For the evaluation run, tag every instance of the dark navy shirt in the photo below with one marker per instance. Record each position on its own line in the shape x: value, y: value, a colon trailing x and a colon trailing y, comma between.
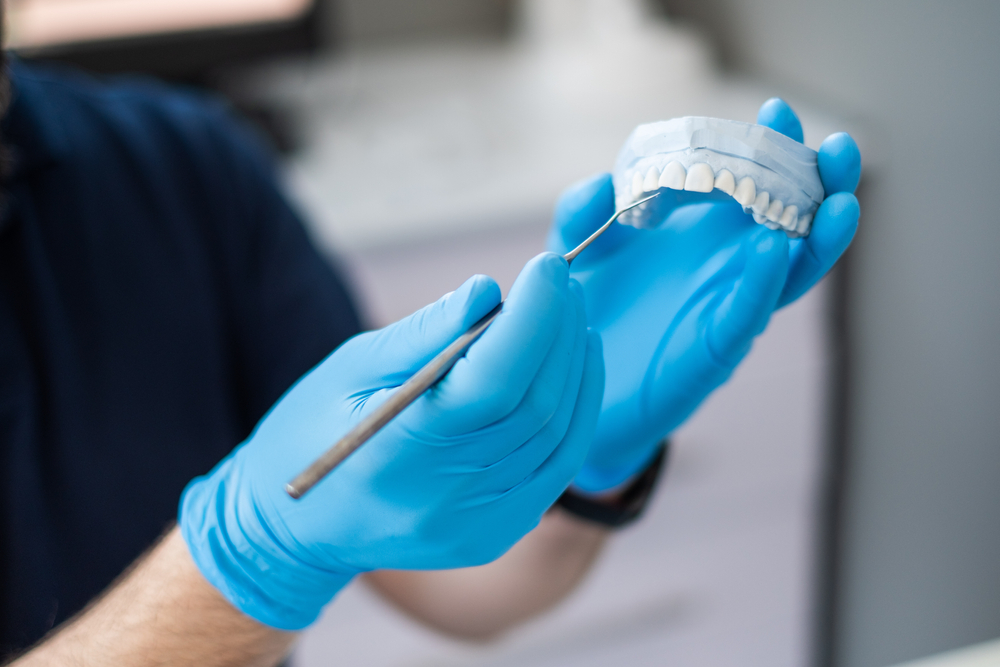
x: 157, y: 295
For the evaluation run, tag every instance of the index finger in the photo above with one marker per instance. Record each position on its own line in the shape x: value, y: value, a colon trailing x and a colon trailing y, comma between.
x: 490, y: 381
x: 779, y: 116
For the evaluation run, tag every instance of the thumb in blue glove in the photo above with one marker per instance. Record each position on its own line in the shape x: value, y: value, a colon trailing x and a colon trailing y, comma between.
x: 678, y: 306
x: 454, y: 481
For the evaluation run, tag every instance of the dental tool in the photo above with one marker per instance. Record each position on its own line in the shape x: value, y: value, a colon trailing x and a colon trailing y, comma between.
x: 421, y: 381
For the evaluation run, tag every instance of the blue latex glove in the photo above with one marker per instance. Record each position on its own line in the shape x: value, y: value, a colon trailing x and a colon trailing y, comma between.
x: 678, y: 306
x: 454, y: 481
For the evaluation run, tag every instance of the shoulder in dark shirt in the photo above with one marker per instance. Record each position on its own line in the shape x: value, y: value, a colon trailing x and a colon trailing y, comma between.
x: 157, y: 295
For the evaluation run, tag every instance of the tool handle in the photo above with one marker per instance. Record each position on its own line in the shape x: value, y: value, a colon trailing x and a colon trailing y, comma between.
x: 409, y: 391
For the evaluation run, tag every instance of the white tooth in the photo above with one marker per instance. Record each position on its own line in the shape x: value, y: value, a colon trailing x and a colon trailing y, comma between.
x: 803, y: 224
x: 725, y: 182
x: 636, y: 185
x: 774, y: 210
x: 789, y: 217
x: 759, y: 204
x: 652, y: 181
x: 745, y: 192
x: 700, y: 178
x: 673, y: 176
x: 772, y: 225
x: 758, y: 218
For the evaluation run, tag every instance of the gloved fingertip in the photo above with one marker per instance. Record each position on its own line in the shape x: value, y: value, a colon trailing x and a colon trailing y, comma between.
x: 477, y: 296
x: 779, y: 116
x: 541, y: 286
x: 839, y: 163
x: 477, y: 285
x: 550, y: 266
x: 843, y: 205
x: 834, y: 228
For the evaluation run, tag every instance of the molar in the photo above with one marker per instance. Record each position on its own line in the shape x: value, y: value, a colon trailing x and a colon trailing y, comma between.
x: 759, y: 205
x: 745, y: 192
x: 673, y: 176
x: 725, y: 182
x: 700, y: 178
x: 773, y: 212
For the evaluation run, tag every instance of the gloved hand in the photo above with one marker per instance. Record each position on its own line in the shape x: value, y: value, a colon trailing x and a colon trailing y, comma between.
x: 454, y: 481
x: 678, y: 306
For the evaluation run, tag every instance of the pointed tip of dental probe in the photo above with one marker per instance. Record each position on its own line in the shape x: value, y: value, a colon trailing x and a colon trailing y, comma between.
x: 571, y: 255
x: 636, y: 203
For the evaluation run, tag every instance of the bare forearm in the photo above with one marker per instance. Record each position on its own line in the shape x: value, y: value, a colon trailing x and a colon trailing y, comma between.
x: 163, y: 612
x: 482, y: 602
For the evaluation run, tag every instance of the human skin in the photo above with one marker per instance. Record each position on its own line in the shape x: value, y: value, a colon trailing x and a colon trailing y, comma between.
x: 480, y: 603
x: 162, y: 611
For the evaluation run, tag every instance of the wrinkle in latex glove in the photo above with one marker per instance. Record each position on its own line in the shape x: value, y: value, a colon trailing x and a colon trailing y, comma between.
x: 454, y: 481
x: 679, y: 305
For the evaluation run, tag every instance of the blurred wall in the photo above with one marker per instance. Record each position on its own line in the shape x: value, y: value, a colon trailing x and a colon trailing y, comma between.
x: 918, y: 560
x: 387, y: 21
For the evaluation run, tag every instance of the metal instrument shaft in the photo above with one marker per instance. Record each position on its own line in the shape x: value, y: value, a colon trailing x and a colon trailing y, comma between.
x: 413, y: 388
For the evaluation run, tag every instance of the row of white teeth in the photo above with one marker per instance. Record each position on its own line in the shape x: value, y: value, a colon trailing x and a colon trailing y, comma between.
x: 701, y: 178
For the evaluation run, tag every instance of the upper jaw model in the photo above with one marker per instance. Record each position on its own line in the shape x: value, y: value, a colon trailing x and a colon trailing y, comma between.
x: 774, y: 178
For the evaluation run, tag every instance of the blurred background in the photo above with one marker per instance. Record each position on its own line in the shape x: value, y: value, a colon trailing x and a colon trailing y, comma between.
x: 838, y: 502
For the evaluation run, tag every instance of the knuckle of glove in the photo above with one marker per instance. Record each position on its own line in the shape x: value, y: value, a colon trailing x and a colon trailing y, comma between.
x: 495, y: 402
x: 540, y: 404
